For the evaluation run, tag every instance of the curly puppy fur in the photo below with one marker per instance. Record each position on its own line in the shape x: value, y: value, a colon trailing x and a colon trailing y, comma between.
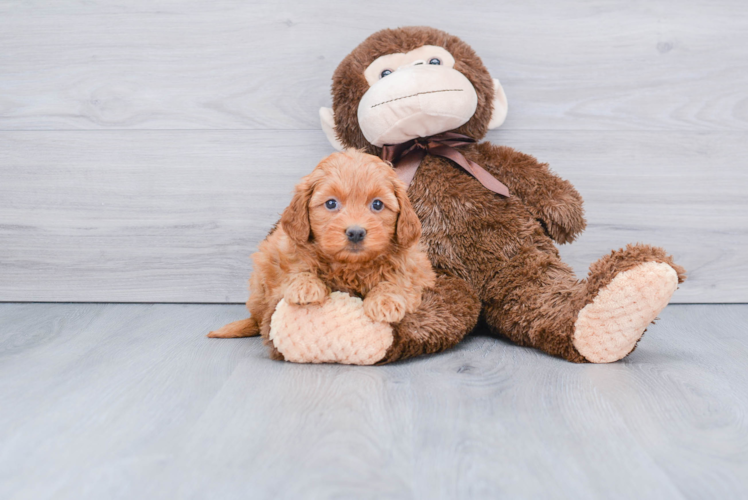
x: 495, y: 257
x: 309, y: 253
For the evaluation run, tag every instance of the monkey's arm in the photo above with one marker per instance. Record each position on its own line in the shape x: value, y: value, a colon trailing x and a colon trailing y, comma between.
x: 551, y: 199
x: 338, y: 330
x: 447, y: 313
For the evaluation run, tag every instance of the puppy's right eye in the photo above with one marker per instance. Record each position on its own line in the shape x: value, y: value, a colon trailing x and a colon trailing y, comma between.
x: 385, y: 73
x: 331, y: 204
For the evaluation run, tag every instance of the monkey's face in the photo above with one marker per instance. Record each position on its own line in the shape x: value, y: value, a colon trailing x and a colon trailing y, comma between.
x: 407, y: 83
x: 414, y: 94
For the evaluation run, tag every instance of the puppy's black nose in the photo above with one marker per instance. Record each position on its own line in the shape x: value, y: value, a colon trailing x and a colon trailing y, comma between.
x: 355, y: 233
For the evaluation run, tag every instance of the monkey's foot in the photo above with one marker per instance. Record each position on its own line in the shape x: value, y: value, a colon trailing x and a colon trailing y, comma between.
x: 336, y: 331
x: 609, y: 327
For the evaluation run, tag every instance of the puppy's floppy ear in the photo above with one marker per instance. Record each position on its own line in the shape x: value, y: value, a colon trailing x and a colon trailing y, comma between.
x: 295, y: 219
x: 408, y: 230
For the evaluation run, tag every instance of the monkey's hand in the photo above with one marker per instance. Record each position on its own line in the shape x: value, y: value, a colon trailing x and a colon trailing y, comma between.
x: 562, y: 216
x: 336, y: 331
x: 550, y: 199
x: 304, y: 289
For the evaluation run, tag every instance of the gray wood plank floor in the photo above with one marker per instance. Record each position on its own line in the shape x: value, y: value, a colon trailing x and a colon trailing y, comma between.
x: 132, y: 401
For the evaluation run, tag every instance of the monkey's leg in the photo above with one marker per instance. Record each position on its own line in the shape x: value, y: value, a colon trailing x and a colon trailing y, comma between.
x: 338, y: 331
x: 447, y: 313
x: 536, y: 301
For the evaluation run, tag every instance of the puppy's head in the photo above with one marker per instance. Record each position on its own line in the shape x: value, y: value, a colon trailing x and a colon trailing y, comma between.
x: 352, y: 207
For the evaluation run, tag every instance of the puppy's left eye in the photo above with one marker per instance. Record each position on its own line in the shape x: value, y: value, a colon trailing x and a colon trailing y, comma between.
x: 331, y: 204
x: 377, y: 205
x: 435, y: 61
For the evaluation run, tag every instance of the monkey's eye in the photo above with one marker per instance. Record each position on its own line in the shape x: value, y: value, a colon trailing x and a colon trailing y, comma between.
x: 385, y: 73
x: 377, y: 205
x: 435, y: 61
x: 331, y: 204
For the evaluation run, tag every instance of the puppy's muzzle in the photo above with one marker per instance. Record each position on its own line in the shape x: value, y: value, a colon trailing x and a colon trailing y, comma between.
x: 355, y: 234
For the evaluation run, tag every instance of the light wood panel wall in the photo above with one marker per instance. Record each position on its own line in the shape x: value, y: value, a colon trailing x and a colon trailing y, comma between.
x: 146, y: 147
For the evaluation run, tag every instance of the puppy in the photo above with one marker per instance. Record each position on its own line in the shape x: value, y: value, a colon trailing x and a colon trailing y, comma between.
x: 349, y: 228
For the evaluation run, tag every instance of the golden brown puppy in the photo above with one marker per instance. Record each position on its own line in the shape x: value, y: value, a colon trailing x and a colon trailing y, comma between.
x: 349, y: 228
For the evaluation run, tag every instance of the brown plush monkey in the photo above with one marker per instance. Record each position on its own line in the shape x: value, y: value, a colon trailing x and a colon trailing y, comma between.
x: 490, y: 215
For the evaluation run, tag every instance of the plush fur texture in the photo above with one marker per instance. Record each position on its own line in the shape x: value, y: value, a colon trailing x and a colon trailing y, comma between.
x: 495, y: 256
x: 309, y: 254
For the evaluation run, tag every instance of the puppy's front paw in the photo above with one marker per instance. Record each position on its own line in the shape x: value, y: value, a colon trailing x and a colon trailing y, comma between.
x: 306, y: 291
x: 386, y: 307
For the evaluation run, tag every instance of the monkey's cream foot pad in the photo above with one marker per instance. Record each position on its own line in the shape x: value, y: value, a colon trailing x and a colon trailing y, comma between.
x: 337, y: 331
x: 607, y: 329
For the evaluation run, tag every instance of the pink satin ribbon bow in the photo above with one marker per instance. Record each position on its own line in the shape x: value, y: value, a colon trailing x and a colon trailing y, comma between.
x: 406, y: 158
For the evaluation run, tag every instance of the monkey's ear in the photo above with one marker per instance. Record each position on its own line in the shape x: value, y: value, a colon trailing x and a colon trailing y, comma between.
x: 327, y: 119
x: 500, y: 106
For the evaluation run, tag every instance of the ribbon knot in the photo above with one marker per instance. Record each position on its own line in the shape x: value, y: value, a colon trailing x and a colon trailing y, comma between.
x: 407, y: 157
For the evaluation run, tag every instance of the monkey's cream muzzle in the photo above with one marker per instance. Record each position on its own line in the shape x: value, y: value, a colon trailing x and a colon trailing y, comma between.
x: 416, y: 101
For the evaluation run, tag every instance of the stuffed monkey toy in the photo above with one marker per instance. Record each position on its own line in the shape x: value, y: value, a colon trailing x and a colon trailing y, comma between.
x: 490, y: 215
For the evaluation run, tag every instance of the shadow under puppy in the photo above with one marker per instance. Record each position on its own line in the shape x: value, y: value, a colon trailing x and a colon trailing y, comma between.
x: 349, y: 228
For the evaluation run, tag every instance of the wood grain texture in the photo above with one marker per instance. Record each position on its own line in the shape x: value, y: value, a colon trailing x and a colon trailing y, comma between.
x: 232, y: 64
x: 172, y: 216
x: 146, y: 147
x: 132, y: 401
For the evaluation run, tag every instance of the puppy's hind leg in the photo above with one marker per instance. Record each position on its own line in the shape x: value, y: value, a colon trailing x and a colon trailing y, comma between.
x: 242, y: 328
